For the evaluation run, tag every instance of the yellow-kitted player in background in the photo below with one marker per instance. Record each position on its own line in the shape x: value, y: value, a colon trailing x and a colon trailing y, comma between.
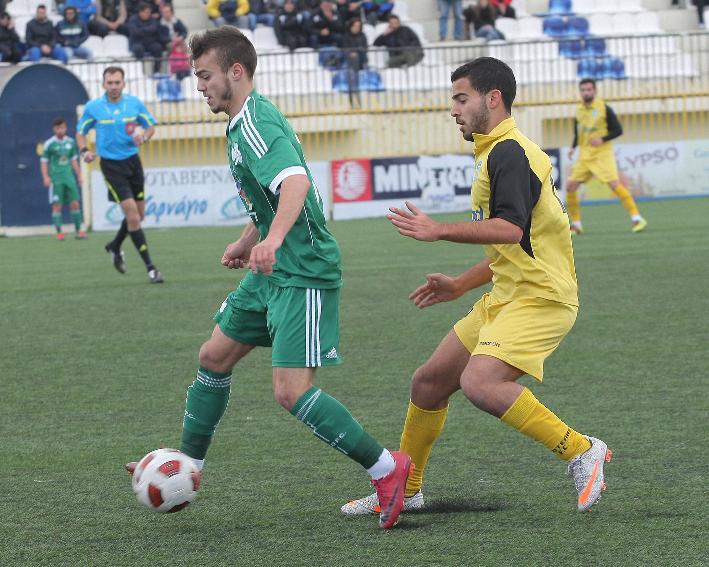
x: 594, y: 127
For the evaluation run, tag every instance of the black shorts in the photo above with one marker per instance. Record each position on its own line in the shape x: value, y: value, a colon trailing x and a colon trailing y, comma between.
x: 124, y: 178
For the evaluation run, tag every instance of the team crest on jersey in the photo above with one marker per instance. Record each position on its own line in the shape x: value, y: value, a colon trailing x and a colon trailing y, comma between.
x: 477, y: 214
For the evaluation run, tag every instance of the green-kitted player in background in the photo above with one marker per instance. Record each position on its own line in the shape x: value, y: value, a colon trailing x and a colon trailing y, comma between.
x: 61, y: 172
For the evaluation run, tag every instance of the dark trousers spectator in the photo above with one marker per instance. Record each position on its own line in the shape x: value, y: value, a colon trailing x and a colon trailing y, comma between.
x: 152, y: 49
x: 405, y: 57
x: 102, y: 30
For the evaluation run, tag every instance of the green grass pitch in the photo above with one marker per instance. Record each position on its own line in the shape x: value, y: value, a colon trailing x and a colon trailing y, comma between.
x: 94, y: 368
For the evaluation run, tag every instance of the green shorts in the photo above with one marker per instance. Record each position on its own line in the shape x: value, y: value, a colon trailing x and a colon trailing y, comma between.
x: 302, y: 325
x: 64, y: 190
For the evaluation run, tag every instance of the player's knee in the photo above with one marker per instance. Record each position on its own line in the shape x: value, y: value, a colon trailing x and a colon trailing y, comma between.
x: 212, y: 359
x: 477, y: 391
x: 285, y: 395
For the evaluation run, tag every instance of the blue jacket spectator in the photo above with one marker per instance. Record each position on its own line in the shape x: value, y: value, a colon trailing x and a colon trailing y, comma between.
x: 10, y: 46
x: 71, y: 33
x: 146, y: 36
x: 85, y: 8
x: 41, y: 38
x: 175, y: 27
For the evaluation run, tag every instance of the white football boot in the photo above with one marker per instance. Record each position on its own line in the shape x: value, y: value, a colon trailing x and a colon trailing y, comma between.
x: 587, y: 471
x: 370, y: 505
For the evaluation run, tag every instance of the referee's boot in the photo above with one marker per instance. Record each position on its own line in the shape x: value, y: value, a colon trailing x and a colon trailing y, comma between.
x: 117, y: 258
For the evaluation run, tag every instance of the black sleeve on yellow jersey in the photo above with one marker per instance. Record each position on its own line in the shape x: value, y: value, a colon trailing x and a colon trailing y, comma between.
x: 514, y: 188
x: 576, y: 134
x: 612, y: 124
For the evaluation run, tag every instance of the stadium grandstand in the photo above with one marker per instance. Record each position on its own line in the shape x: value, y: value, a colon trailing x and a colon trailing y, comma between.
x: 651, y: 57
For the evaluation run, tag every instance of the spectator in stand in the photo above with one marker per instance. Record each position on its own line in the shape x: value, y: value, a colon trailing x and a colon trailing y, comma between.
x: 133, y: 6
x: 326, y: 27
x: 229, y: 12
x: 261, y: 12
x: 403, y: 44
x: 376, y: 11
x: 444, y: 8
x: 10, y: 45
x: 71, y: 33
x: 174, y: 26
x: 86, y: 9
x: 40, y: 38
x: 146, y: 37
x: 482, y: 16
x: 354, y: 45
x: 504, y: 8
x: 111, y: 16
x: 179, y: 59
x: 348, y: 10
x: 290, y: 27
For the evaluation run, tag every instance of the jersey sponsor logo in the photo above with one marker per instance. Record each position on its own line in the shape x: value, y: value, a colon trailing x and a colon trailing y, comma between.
x: 130, y: 128
x: 351, y: 180
x: 489, y: 343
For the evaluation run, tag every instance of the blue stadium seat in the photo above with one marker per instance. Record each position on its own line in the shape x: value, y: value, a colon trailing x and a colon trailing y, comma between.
x: 590, y: 68
x: 169, y: 89
x: 559, y: 6
x: 554, y: 26
x: 613, y: 68
x: 368, y: 80
x: 571, y: 48
x: 577, y: 26
x: 594, y: 47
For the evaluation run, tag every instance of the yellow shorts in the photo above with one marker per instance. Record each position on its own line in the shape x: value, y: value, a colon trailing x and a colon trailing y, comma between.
x: 601, y: 167
x: 522, y: 332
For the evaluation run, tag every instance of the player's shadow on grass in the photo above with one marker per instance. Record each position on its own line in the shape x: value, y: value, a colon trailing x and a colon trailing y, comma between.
x: 464, y: 505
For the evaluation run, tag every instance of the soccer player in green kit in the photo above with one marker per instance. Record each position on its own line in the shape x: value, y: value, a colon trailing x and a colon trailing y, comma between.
x: 289, y: 300
x: 59, y: 164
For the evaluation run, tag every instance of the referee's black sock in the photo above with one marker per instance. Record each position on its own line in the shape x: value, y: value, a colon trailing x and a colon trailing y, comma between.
x: 117, y: 241
x: 138, y: 238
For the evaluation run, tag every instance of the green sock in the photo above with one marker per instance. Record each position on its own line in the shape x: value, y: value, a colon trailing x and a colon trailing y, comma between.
x: 76, y: 217
x: 57, y: 221
x: 207, y: 399
x: 332, y: 423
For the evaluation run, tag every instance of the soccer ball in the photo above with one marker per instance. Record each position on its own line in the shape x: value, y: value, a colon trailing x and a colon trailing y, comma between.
x: 166, y: 480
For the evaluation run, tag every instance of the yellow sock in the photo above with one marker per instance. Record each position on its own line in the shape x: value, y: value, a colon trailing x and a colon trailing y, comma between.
x: 421, y: 429
x: 573, y: 206
x: 528, y: 415
x: 626, y: 199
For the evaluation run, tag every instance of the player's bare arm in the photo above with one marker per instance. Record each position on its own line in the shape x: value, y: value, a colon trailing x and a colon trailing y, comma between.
x: 440, y: 288
x: 237, y: 253
x: 45, y: 174
x: 416, y: 224
x: 294, y: 190
x: 77, y: 170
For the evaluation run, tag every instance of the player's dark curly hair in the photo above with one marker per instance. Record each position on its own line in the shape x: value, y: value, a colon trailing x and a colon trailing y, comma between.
x: 230, y: 45
x: 487, y: 74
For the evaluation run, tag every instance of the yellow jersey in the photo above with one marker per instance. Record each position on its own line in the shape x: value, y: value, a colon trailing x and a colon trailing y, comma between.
x: 513, y: 181
x: 596, y: 120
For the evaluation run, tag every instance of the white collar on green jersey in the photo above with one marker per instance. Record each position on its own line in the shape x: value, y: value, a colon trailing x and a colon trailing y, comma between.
x: 240, y: 114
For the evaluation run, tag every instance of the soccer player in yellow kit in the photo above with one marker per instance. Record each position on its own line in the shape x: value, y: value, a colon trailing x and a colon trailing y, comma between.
x: 594, y: 127
x: 518, y: 217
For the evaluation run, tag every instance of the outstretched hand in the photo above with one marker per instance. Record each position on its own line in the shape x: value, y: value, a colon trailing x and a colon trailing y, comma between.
x: 414, y: 223
x: 437, y: 289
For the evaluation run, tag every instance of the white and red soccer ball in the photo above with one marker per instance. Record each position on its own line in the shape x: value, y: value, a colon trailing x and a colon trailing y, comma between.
x: 166, y: 480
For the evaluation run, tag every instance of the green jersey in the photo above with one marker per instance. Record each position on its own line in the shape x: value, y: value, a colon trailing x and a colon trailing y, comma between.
x: 263, y: 150
x: 59, y: 153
